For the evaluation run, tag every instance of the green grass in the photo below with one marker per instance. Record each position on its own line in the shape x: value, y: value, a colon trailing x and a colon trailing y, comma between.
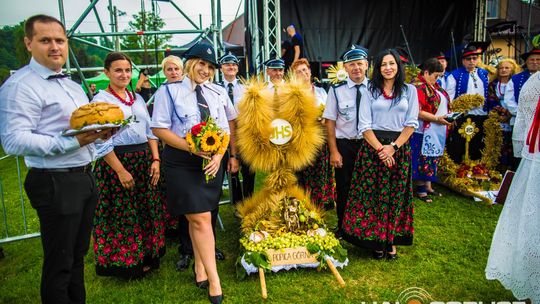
x: 452, y: 239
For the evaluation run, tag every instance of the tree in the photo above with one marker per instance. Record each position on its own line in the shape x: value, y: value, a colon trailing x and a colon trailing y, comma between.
x: 145, y: 21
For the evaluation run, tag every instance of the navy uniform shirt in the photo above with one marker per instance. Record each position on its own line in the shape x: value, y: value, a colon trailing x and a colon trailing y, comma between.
x: 175, y: 106
x: 341, y: 108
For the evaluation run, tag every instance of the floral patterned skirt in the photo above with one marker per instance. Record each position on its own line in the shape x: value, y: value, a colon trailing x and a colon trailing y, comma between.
x: 379, y: 212
x: 424, y: 168
x: 129, y: 226
x: 318, y: 179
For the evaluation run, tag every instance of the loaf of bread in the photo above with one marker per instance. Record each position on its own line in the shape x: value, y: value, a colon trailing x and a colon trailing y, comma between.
x: 95, y: 113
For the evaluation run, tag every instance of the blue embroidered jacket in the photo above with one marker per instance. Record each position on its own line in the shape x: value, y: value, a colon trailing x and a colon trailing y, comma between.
x: 462, y: 79
x: 518, y: 80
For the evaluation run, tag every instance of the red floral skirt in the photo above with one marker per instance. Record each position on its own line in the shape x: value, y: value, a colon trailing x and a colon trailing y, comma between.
x: 379, y: 212
x: 318, y: 179
x: 129, y: 226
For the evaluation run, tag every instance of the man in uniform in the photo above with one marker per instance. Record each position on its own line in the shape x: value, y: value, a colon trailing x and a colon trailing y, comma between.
x: 35, y: 107
x: 235, y: 90
x: 275, y: 69
x: 341, y: 114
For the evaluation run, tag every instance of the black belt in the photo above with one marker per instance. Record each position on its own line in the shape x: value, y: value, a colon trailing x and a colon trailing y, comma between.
x: 131, y: 148
x: 81, y: 169
x: 351, y: 139
x: 390, y: 135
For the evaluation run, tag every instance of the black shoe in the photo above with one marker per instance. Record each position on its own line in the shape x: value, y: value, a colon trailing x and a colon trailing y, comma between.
x: 220, y: 256
x: 391, y: 256
x: 184, y: 261
x: 215, y: 299
x: 378, y: 255
x: 200, y: 284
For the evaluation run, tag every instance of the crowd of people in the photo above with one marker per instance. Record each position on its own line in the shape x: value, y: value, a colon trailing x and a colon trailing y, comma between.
x: 383, y: 136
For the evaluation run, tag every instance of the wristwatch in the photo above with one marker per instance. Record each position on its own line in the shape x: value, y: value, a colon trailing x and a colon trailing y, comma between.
x: 393, y: 144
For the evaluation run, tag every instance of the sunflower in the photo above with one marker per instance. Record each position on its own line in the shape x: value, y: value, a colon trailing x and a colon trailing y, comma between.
x: 210, y: 141
x: 190, y: 142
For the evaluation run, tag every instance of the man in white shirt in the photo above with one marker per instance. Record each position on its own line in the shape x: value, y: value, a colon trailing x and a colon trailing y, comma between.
x: 275, y: 69
x: 35, y: 107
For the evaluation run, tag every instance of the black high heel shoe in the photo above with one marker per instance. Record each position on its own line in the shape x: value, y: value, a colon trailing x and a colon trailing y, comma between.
x: 391, y: 256
x: 378, y: 255
x: 215, y: 299
x: 200, y: 284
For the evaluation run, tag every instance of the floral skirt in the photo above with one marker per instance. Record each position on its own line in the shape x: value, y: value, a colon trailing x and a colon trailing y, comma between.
x: 379, y: 212
x: 424, y: 168
x: 129, y: 225
x: 318, y: 179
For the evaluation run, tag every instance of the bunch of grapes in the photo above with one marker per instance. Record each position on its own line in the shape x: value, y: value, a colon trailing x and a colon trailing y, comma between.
x: 290, y: 240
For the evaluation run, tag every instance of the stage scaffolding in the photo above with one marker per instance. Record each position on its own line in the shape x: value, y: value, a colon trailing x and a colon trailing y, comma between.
x: 214, y: 31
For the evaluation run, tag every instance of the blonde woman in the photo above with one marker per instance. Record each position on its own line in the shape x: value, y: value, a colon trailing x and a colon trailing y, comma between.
x: 178, y: 107
x: 173, y: 68
x: 506, y: 68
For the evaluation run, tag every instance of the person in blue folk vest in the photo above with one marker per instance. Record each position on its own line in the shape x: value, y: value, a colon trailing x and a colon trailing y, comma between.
x: 468, y: 79
x: 513, y: 88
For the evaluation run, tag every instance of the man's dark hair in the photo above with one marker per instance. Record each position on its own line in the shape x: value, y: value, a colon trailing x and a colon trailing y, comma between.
x: 29, y: 24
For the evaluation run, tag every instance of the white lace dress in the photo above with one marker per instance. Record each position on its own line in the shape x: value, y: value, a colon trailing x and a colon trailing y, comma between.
x: 514, y: 258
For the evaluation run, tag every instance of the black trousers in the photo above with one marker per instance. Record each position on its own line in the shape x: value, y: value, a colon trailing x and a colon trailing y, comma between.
x: 241, y: 190
x: 348, y: 150
x: 65, y: 204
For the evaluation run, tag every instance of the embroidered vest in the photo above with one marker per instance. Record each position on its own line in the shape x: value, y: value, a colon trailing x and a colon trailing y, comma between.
x: 462, y: 80
x: 519, y: 80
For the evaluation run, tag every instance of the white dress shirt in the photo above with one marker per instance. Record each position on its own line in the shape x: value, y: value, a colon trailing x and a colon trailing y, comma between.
x: 175, y: 106
x: 135, y: 133
x: 34, y: 111
x: 341, y: 108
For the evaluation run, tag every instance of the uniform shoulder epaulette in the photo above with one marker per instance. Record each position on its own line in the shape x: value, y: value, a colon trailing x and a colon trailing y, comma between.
x: 169, y: 83
x: 214, y: 88
x: 339, y: 84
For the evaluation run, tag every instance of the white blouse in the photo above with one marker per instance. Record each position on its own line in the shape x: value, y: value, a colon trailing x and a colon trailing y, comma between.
x: 379, y: 114
x: 134, y: 133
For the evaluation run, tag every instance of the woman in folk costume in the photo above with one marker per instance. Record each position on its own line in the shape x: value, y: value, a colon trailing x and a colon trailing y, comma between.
x: 427, y: 142
x: 179, y: 106
x: 318, y: 178
x: 506, y: 68
x: 379, y: 211
x: 129, y: 222
x: 514, y: 257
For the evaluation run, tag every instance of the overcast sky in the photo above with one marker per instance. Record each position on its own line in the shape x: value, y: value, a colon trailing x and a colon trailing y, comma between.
x: 14, y: 11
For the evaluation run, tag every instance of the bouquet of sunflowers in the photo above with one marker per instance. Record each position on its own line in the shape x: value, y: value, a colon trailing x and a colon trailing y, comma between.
x: 207, y: 136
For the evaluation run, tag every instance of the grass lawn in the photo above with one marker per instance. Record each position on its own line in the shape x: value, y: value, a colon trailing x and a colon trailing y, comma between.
x: 452, y: 239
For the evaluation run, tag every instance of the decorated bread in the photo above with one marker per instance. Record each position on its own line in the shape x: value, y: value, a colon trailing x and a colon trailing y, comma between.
x: 95, y: 113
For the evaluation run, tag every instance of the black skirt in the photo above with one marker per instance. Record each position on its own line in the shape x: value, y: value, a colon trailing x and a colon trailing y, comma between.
x: 187, y: 189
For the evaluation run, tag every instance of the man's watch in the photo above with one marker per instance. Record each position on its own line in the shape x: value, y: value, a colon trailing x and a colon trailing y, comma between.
x: 394, y: 145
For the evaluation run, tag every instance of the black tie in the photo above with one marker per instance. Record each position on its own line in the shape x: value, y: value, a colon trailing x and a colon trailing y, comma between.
x: 230, y: 92
x: 202, y: 104
x: 358, y: 97
x: 56, y: 76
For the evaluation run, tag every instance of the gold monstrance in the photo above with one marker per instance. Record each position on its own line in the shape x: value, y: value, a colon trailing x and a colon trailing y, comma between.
x: 468, y: 130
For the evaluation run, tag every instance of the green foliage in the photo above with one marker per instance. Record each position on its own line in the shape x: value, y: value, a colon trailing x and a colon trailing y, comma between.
x: 145, y: 21
x: 451, y: 245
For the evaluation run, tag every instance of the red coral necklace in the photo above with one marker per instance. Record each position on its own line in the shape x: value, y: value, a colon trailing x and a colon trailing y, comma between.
x: 130, y: 96
x: 387, y: 96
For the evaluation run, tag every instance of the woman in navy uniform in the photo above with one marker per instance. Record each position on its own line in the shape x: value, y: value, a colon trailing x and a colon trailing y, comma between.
x: 178, y: 107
